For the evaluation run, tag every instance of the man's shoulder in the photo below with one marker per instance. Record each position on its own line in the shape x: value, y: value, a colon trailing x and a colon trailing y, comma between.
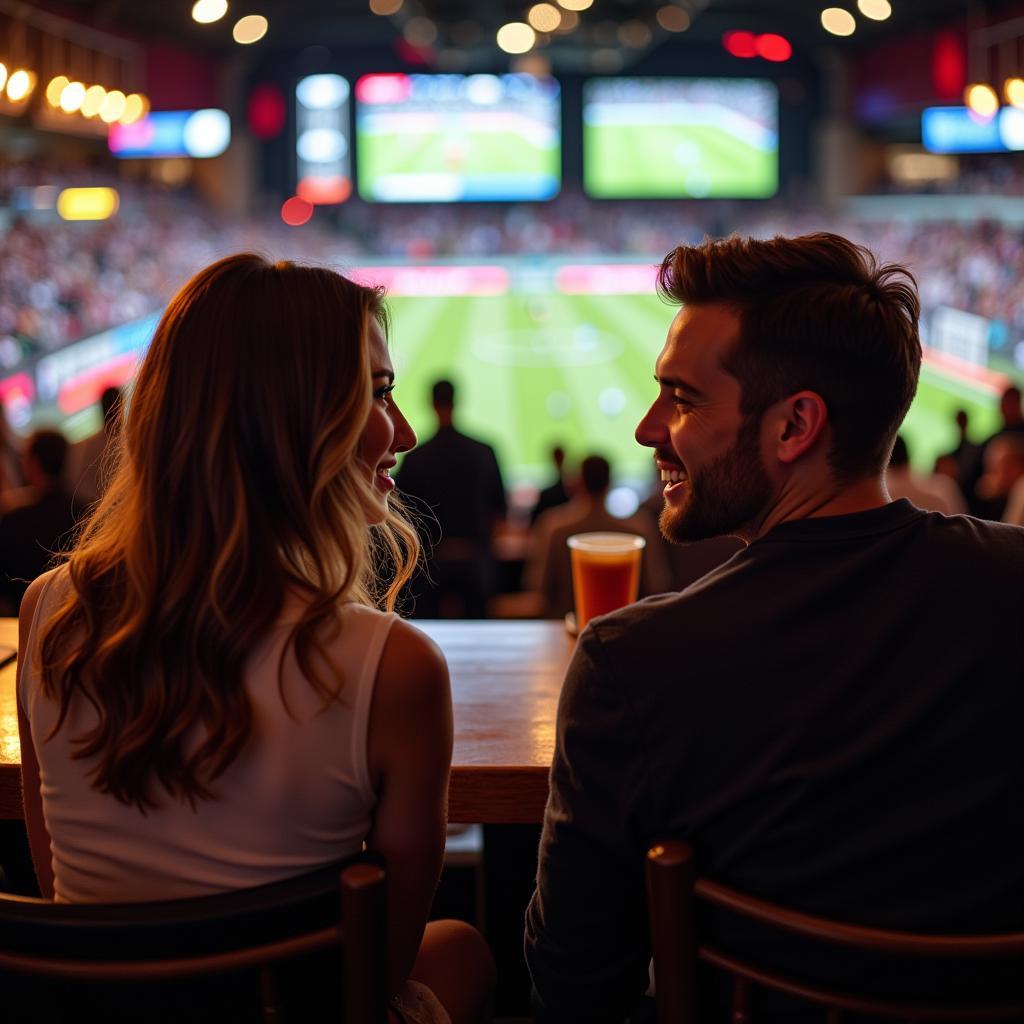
x: 1000, y: 546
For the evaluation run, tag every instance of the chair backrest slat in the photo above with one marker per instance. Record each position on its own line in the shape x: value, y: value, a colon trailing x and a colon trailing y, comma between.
x: 42, y: 940
x: 673, y: 887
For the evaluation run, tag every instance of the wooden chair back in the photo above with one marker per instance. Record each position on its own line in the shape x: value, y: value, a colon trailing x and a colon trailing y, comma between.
x: 673, y: 888
x: 339, y: 913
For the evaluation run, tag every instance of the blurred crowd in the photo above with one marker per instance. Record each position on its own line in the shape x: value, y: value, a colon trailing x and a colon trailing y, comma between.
x: 62, y: 281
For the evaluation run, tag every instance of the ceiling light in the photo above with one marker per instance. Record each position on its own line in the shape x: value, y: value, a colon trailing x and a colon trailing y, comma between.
x: 91, y: 101
x: 673, y: 19
x: 53, y: 90
x: 250, y: 29
x: 71, y: 97
x: 981, y: 100
x: 570, y: 22
x: 575, y: 5
x: 3, y: 74
x: 19, y: 85
x: 1013, y: 91
x: 112, y: 106
x: 516, y: 37
x: 136, y: 106
x: 876, y: 10
x: 544, y: 17
x: 385, y: 8
x: 208, y: 11
x: 838, y: 21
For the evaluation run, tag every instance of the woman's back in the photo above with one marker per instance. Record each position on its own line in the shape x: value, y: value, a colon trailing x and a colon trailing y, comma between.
x: 298, y: 796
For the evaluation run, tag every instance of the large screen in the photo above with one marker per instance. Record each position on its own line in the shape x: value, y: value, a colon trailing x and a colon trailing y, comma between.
x: 457, y: 138
x: 677, y: 138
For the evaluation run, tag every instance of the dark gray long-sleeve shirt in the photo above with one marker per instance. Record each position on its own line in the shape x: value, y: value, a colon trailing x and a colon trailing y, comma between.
x: 834, y: 718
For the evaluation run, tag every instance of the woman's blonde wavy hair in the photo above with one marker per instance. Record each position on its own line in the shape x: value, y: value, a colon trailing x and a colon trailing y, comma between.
x: 237, y: 481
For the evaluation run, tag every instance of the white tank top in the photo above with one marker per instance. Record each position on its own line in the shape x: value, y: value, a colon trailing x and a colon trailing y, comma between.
x: 298, y: 796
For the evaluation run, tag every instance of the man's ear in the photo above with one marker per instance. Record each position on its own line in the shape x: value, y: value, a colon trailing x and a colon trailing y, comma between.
x: 800, y: 422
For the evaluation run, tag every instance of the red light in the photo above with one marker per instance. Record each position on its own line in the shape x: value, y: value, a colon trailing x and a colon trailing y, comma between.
x: 740, y: 44
x: 266, y: 112
x: 773, y: 47
x: 324, y: 191
x: 949, y: 65
x: 383, y: 88
x: 296, y: 211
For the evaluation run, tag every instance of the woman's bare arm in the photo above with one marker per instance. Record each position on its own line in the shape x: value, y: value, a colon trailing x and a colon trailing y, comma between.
x: 409, y: 750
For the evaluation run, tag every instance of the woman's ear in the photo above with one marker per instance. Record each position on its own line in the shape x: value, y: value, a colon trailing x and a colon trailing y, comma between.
x: 802, y: 419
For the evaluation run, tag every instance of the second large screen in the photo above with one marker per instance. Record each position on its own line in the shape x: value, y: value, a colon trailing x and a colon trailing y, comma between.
x: 451, y: 138
x: 675, y: 138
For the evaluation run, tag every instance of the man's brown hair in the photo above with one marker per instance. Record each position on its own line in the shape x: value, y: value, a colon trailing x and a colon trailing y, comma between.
x: 816, y: 313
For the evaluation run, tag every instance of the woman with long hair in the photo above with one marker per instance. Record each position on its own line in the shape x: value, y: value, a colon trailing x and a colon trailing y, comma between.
x: 215, y: 691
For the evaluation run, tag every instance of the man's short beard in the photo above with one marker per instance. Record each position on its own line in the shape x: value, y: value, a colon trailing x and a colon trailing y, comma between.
x: 725, y: 497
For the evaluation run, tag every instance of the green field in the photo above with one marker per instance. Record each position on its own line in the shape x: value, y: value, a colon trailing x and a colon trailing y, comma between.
x: 623, y: 161
x: 434, y: 153
x: 536, y: 370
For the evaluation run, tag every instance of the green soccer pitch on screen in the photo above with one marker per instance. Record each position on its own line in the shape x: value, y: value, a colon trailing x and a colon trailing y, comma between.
x: 679, y: 138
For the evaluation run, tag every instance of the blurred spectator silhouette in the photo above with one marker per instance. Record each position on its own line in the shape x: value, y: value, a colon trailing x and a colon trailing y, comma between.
x: 1003, y: 470
x: 1013, y: 425
x: 87, y: 459
x: 453, y: 479
x: 39, y: 520
x: 555, y: 494
x: 963, y: 457
x: 548, y: 570
x: 931, y: 492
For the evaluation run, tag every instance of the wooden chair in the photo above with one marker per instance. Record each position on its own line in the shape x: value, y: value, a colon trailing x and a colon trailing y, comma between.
x: 249, y: 938
x: 672, y: 890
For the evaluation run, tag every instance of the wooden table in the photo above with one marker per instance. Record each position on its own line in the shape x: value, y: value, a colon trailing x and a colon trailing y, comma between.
x: 506, y: 677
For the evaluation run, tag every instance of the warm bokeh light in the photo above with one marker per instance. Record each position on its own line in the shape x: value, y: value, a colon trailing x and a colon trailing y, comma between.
x: 420, y: 31
x: 635, y: 33
x: 112, y: 106
x: 773, y: 47
x: 576, y: 5
x: 93, y: 100
x: 54, y: 89
x: 516, y: 37
x: 570, y: 22
x: 250, y: 29
x: 296, y: 211
x: 1013, y: 91
x: 981, y: 100
x: 136, y: 106
x: 838, y: 21
x: 208, y: 11
x: 87, y: 203
x: 3, y: 74
x: 20, y: 85
x: 876, y: 10
x: 544, y: 17
x: 672, y: 18
x: 385, y: 7
x: 71, y: 97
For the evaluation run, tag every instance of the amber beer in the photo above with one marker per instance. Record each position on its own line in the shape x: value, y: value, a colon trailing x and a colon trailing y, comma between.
x: 605, y: 572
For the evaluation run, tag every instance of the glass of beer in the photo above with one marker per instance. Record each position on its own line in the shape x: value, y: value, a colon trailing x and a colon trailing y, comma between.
x: 605, y: 572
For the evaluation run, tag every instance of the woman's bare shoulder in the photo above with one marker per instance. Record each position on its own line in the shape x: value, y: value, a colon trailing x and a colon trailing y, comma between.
x: 412, y: 665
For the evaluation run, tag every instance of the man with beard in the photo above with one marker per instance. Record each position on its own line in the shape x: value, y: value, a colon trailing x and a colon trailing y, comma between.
x: 828, y: 717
